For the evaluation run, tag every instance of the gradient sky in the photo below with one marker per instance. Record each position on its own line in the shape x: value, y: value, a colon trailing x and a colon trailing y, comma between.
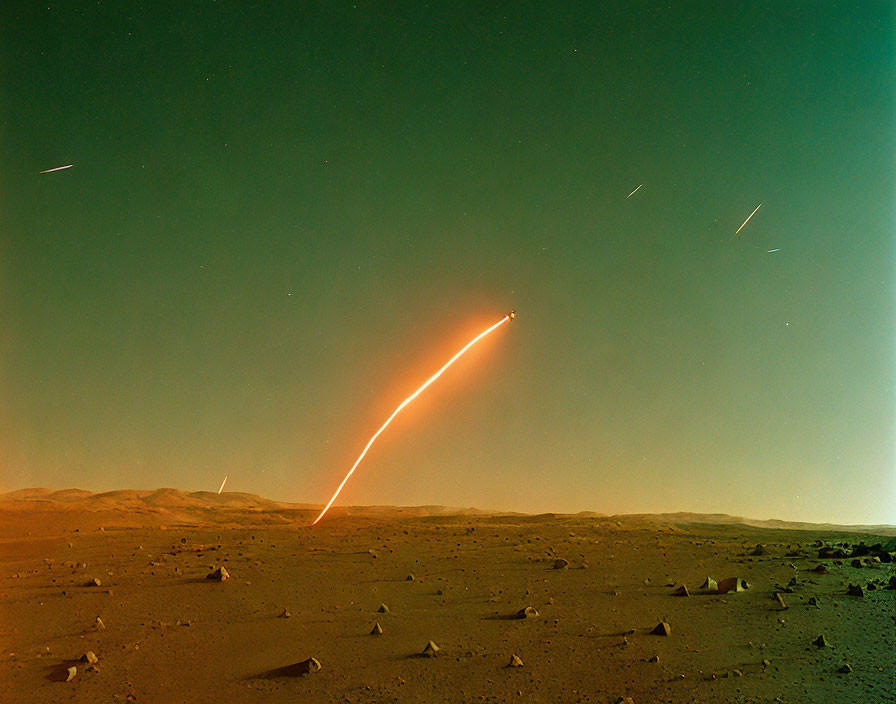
x: 282, y: 219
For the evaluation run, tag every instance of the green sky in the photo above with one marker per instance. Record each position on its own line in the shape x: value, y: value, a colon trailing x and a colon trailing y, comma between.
x: 281, y: 220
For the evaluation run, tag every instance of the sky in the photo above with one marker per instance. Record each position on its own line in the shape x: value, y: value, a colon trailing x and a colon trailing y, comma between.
x: 282, y: 218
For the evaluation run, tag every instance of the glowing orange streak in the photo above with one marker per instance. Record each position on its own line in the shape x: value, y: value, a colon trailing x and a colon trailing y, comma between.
x: 404, y: 403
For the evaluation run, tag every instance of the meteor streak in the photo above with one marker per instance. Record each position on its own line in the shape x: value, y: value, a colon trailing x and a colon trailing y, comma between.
x: 748, y: 219
x: 510, y: 316
x: 57, y: 168
x: 222, y: 484
x: 633, y: 192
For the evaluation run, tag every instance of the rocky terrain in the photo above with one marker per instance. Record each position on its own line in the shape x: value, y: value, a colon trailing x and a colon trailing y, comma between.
x: 163, y: 596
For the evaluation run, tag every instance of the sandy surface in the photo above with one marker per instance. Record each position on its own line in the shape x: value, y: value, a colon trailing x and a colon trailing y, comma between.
x: 171, y: 635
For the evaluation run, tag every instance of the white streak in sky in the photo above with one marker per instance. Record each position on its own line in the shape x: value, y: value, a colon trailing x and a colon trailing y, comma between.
x: 748, y: 219
x: 774, y: 250
x: 222, y: 484
x: 58, y: 168
x: 633, y: 192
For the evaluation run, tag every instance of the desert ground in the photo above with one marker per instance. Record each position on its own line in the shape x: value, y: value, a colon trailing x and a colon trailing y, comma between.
x: 124, y: 576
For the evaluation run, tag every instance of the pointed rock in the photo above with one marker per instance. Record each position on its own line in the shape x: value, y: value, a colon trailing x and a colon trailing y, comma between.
x: 560, y: 563
x: 681, y: 591
x: 377, y: 629
x: 845, y: 669
x: 758, y: 550
x: 383, y: 609
x: 90, y: 658
x: 72, y: 671
x: 814, y: 601
x: 710, y: 585
x: 431, y: 650
x: 515, y: 661
x: 855, y: 590
x: 821, y: 642
x: 527, y: 612
x: 820, y: 569
x: 410, y: 578
x: 219, y: 574
x: 285, y: 614
x: 662, y: 629
x: 94, y: 583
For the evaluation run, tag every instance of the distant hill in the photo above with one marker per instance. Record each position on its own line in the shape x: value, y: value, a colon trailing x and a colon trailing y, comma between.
x: 127, y: 507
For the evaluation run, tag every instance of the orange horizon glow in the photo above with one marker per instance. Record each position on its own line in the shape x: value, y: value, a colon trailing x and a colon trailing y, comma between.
x: 509, y: 316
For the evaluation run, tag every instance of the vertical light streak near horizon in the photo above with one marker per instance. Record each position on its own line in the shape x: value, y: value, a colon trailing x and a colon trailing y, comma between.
x: 509, y: 316
x: 222, y: 484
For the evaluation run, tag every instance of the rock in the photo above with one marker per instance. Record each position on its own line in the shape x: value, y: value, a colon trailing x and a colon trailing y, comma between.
x: 758, y: 550
x: 821, y: 569
x: 681, y: 591
x: 845, y: 669
x: 710, y: 585
x: 662, y: 629
x: 655, y: 658
x: 855, y: 590
x: 781, y: 600
x: 732, y: 584
x: 527, y: 612
x: 766, y: 663
x: 624, y: 700
x: 410, y: 578
x: 821, y: 642
x: 515, y: 661
x: 99, y: 625
x: 219, y: 574
x: 90, y: 658
x: 560, y: 563
x: 383, y: 609
x: 431, y: 650
x: 285, y: 614
x: 814, y: 601
x: 72, y: 671
x: 377, y: 629
x: 94, y: 583
x: 306, y: 667
x: 831, y: 553
x: 892, y: 583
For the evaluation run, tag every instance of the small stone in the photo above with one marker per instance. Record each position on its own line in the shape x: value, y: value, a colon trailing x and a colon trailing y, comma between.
x: 855, y: 590
x: 681, y: 591
x: 90, y: 658
x: 383, y: 609
x: 821, y: 642
x: 732, y: 584
x: 758, y: 550
x: 766, y: 663
x: 309, y: 666
x: 655, y: 658
x: 94, y: 583
x: 72, y: 671
x: 285, y: 614
x: 820, y: 569
x: 410, y: 578
x: 377, y: 629
x: 527, y: 612
x: 814, y: 601
x: 560, y: 563
x: 662, y: 629
x: 515, y: 661
x: 219, y: 574
x: 737, y: 673
x: 845, y: 669
x: 624, y: 700
x: 431, y: 650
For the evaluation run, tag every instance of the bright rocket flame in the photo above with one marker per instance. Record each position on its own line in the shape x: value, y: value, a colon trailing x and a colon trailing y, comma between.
x: 509, y: 316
